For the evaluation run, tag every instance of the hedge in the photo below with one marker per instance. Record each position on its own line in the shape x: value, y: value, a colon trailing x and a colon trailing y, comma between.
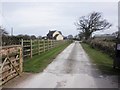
x: 104, y: 45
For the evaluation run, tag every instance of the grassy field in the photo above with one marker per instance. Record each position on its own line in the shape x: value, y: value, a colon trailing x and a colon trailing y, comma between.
x: 39, y: 62
x: 102, y: 60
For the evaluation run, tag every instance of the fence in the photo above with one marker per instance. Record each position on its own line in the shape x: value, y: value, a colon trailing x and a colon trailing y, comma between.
x: 10, y: 63
x: 33, y: 47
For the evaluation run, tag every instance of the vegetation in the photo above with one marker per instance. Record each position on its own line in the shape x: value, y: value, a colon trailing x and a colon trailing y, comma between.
x: 102, y: 60
x: 14, y: 40
x: 39, y: 62
x: 105, y: 45
x: 3, y: 32
x: 93, y: 22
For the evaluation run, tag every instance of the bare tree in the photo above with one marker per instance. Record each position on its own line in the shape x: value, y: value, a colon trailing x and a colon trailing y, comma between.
x: 3, y: 32
x: 91, y: 23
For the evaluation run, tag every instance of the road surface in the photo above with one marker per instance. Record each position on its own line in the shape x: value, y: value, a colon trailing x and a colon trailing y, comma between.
x: 70, y: 69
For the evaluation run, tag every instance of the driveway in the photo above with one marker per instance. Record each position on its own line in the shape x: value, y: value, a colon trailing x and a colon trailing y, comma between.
x: 70, y: 69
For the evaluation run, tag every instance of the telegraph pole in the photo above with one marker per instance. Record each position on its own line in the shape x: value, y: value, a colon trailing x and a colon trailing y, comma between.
x: 12, y: 31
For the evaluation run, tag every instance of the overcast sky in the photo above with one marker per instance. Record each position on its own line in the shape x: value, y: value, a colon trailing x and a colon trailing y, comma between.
x: 37, y: 18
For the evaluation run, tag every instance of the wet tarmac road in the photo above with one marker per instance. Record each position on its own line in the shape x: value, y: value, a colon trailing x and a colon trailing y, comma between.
x: 71, y: 69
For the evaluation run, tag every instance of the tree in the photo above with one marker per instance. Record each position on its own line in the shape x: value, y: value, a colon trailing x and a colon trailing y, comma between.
x: 33, y: 37
x: 3, y: 36
x: 26, y: 37
x: 39, y: 37
x: 3, y: 32
x: 70, y: 36
x: 91, y: 23
x: 81, y: 35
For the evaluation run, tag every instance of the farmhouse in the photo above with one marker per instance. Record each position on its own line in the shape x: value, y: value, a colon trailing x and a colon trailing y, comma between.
x: 55, y: 35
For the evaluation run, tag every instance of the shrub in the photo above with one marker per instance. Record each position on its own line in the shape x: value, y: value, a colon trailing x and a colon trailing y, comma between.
x: 104, y: 45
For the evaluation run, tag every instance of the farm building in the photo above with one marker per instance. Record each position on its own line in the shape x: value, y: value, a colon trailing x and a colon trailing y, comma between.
x: 56, y: 35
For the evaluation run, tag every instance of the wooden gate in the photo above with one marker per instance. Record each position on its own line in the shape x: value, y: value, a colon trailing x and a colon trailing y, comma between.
x: 10, y: 63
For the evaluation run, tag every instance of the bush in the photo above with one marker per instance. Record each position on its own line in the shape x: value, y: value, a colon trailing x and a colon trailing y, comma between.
x: 104, y: 45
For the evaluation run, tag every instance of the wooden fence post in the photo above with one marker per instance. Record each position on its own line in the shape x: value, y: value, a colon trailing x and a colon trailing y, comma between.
x: 31, y: 48
x: 51, y: 44
x: 38, y: 47
x: 47, y: 44
x: 44, y: 45
x: 22, y: 43
x: 21, y: 60
x: 55, y: 43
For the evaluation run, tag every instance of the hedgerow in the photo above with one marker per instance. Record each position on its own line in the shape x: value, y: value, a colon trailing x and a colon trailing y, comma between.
x: 107, y: 46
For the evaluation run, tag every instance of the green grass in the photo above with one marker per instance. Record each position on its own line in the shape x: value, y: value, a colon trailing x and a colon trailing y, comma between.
x: 39, y: 62
x: 102, y: 60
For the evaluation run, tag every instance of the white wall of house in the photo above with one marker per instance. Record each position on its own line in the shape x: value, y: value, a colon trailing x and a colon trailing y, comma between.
x: 55, y: 33
x: 59, y: 37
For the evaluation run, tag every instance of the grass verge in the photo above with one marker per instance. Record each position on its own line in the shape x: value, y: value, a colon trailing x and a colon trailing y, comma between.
x: 39, y: 62
x: 102, y: 60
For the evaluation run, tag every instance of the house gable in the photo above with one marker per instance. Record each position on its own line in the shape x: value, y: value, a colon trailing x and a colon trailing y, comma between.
x: 57, y: 35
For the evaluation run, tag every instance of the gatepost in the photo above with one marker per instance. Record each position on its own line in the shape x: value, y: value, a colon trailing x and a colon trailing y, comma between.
x: 116, y: 62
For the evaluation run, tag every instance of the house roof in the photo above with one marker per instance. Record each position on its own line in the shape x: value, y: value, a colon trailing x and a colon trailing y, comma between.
x: 50, y: 34
x: 60, y: 32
